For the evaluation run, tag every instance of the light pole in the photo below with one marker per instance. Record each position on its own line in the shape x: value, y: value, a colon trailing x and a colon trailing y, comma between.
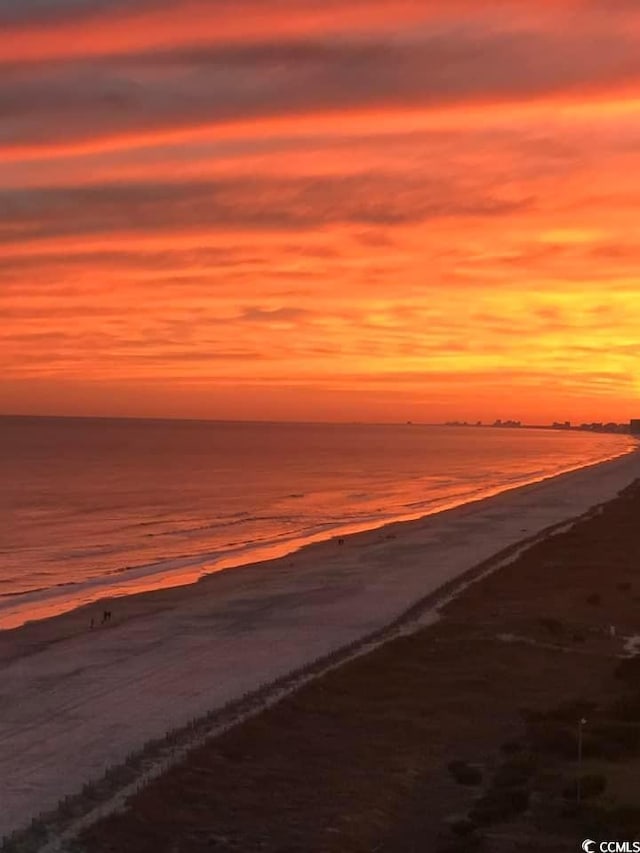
x: 581, y: 723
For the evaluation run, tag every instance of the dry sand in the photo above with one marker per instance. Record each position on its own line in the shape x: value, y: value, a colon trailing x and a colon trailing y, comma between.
x: 74, y: 701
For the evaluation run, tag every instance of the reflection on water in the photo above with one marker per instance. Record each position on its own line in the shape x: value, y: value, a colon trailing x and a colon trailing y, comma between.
x: 99, y: 507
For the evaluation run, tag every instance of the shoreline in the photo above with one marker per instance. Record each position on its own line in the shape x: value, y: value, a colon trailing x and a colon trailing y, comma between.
x: 27, y: 609
x: 175, y: 654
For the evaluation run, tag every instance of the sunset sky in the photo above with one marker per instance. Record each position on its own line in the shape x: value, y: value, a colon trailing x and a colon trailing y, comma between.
x: 320, y: 209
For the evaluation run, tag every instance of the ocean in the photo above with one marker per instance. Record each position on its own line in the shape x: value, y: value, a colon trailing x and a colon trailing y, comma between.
x: 97, y: 507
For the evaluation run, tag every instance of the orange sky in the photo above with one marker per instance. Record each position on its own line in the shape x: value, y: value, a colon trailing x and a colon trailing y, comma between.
x: 337, y: 210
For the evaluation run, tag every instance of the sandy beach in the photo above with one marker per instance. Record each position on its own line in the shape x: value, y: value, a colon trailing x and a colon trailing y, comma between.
x: 74, y: 701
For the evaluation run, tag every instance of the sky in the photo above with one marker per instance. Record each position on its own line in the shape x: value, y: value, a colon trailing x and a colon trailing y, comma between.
x: 342, y: 210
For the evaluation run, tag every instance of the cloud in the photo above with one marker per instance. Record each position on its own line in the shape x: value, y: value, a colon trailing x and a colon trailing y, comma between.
x: 33, y: 11
x: 201, y: 86
x: 242, y: 203
x: 121, y: 259
x: 256, y: 314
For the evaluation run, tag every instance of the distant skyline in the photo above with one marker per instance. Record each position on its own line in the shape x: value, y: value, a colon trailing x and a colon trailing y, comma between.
x: 595, y: 426
x: 382, y: 210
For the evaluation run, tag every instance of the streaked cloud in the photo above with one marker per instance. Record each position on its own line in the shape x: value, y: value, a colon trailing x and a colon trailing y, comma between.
x: 201, y: 87
x: 320, y: 209
x: 245, y: 204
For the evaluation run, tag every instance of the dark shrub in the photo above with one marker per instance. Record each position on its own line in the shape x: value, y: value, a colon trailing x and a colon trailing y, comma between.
x: 500, y: 804
x: 529, y: 715
x: 594, y: 820
x: 552, y: 625
x: 463, y: 827
x: 591, y: 785
x: 570, y: 712
x: 628, y: 670
x: 515, y: 772
x: 626, y: 708
x: 625, y: 821
x: 465, y: 773
x: 565, y: 712
x: 554, y: 738
x: 518, y: 800
x: 617, y: 740
x: 614, y: 822
x: 463, y: 844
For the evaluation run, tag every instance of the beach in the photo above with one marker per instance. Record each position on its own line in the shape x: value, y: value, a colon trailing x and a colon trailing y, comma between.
x: 76, y: 701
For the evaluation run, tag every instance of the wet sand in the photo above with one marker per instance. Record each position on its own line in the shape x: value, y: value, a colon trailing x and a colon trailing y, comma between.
x: 74, y: 701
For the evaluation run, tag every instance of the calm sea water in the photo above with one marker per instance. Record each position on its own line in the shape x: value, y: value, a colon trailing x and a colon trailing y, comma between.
x: 95, y: 507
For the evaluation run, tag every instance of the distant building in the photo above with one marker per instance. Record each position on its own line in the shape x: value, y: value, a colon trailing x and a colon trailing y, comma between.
x: 634, y: 425
x: 611, y: 426
x: 508, y: 424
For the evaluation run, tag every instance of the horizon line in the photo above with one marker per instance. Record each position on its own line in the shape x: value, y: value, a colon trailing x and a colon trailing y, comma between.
x: 163, y: 419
